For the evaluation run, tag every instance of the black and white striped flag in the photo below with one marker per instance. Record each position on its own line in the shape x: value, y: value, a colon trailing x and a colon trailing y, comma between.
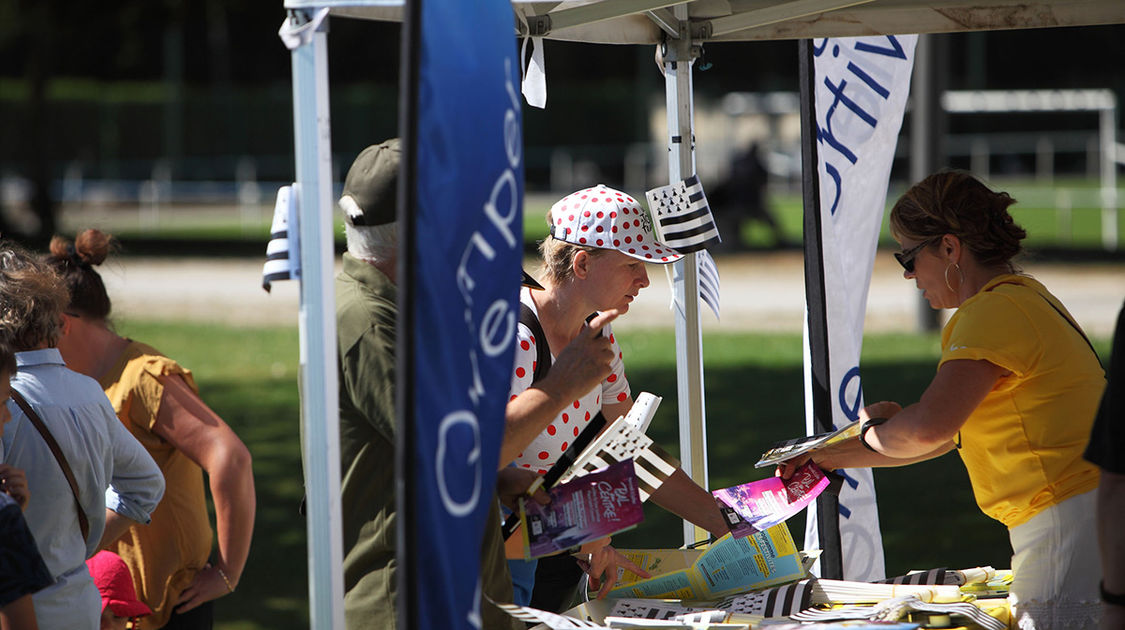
x: 283, y: 253
x: 625, y: 439
x: 780, y: 601
x: 681, y: 217
x: 933, y: 576
x: 708, y: 281
x: 549, y: 619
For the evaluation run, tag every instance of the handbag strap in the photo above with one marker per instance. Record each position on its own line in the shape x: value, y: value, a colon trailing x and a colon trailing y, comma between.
x: 37, y: 422
x: 542, y: 349
x: 1062, y: 314
x: 1072, y: 325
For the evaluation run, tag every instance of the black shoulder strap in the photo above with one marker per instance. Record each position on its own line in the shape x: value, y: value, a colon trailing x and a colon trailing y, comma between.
x: 1063, y: 315
x: 37, y: 422
x: 1073, y: 325
x: 542, y: 349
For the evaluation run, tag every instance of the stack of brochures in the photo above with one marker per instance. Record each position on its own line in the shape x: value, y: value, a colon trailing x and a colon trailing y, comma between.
x: 729, y: 565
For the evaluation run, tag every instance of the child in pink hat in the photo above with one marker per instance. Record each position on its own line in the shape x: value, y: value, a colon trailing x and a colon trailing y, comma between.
x: 120, y: 606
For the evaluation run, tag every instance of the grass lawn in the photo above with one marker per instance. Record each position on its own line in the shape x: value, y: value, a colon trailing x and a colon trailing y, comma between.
x: 753, y: 394
x: 1062, y: 214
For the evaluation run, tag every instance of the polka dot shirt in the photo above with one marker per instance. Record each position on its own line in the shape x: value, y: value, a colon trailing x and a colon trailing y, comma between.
x: 546, y: 449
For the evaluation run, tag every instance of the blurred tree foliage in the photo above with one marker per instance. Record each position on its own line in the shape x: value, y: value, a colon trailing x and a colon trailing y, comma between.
x: 137, y: 81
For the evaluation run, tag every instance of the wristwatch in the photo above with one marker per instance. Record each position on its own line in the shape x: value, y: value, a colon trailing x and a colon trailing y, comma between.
x: 1116, y: 599
x: 867, y: 426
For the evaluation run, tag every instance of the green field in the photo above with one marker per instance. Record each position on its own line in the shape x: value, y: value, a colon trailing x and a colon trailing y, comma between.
x: 1064, y: 214
x: 753, y: 396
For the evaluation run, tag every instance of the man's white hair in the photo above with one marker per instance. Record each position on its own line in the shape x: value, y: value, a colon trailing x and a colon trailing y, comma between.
x: 374, y: 243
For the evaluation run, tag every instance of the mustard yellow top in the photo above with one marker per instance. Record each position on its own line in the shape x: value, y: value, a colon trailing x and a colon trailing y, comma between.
x: 1023, y: 444
x: 165, y: 554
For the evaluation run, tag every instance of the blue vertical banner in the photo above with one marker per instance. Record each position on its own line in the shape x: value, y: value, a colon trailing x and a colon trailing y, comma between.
x: 466, y: 242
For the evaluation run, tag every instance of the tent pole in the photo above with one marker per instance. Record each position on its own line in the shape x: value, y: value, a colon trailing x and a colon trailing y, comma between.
x: 927, y: 128
x: 679, y: 54
x: 317, y: 318
x: 827, y: 505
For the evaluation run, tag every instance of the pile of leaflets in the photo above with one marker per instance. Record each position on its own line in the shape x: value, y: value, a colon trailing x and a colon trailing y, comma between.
x: 729, y: 565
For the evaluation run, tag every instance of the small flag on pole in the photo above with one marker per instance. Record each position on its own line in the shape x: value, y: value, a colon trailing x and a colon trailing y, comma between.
x: 283, y: 253
x: 708, y: 281
x: 681, y: 217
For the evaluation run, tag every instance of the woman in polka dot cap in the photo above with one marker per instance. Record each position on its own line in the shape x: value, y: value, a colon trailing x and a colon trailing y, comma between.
x: 594, y: 262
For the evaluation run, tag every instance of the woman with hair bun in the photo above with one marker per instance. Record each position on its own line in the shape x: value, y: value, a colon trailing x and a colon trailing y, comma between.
x: 1015, y: 394
x: 158, y: 402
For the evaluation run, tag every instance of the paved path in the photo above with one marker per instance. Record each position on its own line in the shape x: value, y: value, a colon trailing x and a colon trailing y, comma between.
x: 762, y: 291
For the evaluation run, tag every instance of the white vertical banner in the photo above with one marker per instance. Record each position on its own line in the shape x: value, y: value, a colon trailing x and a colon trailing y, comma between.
x: 861, y: 88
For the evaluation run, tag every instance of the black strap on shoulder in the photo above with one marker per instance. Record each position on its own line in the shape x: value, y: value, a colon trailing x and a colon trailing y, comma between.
x: 37, y: 422
x: 542, y: 349
x: 1063, y: 315
x: 1073, y: 325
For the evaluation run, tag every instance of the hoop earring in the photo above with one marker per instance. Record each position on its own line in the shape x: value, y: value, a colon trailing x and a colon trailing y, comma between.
x: 961, y: 279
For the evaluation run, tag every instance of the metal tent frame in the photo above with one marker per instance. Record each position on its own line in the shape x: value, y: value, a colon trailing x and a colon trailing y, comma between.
x: 682, y: 27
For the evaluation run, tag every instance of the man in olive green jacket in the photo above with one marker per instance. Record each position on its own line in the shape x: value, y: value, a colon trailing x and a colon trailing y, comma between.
x: 366, y: 311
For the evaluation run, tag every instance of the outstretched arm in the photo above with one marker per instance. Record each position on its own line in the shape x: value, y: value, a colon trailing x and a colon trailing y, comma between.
x: 933, y: 422
x: 919, y: 432
x: 679, y: 494
x: 197, y: 431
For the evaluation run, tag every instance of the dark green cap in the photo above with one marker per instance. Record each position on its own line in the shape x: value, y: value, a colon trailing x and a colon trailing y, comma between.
x: 372, y: 184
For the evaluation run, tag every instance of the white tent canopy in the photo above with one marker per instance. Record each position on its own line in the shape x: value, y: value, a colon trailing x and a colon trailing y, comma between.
x: 648, y: 21
x: 682, y: 27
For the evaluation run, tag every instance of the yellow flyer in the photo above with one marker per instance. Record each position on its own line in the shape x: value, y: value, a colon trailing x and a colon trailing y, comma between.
x: 727, y: 567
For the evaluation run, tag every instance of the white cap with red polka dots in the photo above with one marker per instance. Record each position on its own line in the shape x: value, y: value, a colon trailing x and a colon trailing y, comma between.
x: 609, y: 219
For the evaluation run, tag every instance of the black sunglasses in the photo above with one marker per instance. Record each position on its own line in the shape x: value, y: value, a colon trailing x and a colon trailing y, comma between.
x: 906, y: 258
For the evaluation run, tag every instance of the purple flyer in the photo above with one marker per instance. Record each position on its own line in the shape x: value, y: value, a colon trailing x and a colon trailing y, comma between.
x: 590, y: 507
x: 765, y: 503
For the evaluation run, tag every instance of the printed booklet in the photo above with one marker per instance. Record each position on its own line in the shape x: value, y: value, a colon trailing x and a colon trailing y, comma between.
x: 727, y: 567
x: 593, y: 506
x: 789, y: 449
x: 767, y: 502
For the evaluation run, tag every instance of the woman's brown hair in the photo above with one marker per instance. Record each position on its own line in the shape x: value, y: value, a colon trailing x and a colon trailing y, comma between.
x: 7, y: 358
x: 32, y: 299
x: 558, y: 257
x: 955, y: 202
x: 74, y: 262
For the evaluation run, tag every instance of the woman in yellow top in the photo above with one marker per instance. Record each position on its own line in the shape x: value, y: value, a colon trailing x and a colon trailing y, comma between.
x: 158, y: 402
x: 1015, y: 394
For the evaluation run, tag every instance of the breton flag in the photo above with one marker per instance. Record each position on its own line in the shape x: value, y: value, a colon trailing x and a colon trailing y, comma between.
x: 283, y: 255
x: 708, y: 281
x: 681, y: 217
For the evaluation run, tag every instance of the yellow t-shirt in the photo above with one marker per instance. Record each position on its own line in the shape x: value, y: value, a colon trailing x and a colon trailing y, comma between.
x: 1023, y: 444
x: 164, y: 555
